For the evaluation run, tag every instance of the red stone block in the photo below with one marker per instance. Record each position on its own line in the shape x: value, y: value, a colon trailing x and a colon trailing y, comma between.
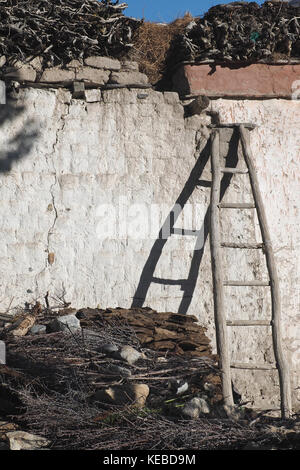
x: 251, y: 81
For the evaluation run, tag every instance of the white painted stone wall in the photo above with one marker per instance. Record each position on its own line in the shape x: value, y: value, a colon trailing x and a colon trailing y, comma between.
x: 102, y: 165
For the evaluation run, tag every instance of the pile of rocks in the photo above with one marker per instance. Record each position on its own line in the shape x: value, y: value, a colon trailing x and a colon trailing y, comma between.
x: 91, y: 72
x: 241, y: 32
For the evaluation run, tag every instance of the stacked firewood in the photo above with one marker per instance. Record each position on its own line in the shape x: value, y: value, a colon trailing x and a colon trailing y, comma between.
x: 239, y: 32
x: 59, y: 31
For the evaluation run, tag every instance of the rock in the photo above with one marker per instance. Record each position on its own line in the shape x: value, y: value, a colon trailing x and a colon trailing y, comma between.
x: 198, y: 105
x: 195, y: 407
x: 93, y: 76
x: 56, y: 74
x: 105, y: 63
x: 20, y: 440
x: 38, y: 329
x: 64, y: 323
x: 93, y: 96
x: 128, y: 78
x: 129, y: 354
x: 2, y: 352
x: 135, y: 394
x: 23, y: 325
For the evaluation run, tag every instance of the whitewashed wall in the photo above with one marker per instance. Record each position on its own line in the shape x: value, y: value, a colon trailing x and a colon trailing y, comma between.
x: 84, y: 164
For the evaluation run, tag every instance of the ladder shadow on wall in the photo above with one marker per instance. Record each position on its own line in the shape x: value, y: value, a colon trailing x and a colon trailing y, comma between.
x: 187, y: 285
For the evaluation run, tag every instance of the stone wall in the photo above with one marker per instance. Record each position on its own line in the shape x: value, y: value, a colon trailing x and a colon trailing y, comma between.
x: 92, y: 71
x: 87, y: 185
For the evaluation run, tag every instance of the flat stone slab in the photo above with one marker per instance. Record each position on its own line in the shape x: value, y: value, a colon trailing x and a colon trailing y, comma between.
x: 105, y: 63
x: 251, y: 81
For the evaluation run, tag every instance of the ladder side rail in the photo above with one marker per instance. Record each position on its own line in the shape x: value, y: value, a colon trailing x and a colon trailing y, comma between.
x: 283, y: 369
x: 217, y: 271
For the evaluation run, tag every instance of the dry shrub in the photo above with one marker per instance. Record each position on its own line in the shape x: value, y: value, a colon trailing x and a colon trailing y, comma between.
x: 152, y: 42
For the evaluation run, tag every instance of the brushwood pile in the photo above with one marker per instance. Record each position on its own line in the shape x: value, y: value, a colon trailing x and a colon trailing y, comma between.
x: 240, y: 32
x: 93, y: 379
x: 59, y: 31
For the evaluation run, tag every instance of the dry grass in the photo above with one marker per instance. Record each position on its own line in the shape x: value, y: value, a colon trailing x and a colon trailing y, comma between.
x: 152, y: 42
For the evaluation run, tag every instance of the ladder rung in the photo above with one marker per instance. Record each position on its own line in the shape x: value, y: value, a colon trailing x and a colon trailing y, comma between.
x: 246, y: 283
x: 237, y: 205
x: 249, y: 322
x: 251, y: 246
x: 248, y: 365
x: 234, y: 170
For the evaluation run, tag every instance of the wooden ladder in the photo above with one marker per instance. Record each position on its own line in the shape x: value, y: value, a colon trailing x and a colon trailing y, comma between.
x: 219, y: 282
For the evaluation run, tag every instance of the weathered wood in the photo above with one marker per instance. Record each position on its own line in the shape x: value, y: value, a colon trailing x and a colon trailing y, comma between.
x: 283, y: 369
x: 217, y: 271
x: 246, y: 246
x: 237, y: 205
x: 247, y: 365
x: 249, y: 322
x: 246, y: 283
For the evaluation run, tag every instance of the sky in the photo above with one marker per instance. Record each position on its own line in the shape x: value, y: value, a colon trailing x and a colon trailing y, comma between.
x: 165, y: 11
